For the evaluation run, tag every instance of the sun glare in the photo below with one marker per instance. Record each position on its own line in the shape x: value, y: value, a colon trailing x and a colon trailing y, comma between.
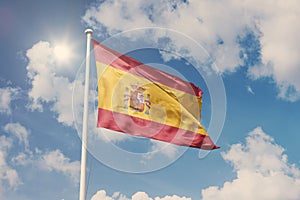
x: 62, y: 53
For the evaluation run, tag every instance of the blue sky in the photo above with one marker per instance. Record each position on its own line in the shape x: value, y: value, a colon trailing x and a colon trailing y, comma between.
x: 243, y: 55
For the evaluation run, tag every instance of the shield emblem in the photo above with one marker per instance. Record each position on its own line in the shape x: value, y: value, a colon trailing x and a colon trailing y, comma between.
x: 137, y: 101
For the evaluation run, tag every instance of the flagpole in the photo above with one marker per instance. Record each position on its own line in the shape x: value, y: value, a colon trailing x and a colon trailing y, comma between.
x: 82, y: 194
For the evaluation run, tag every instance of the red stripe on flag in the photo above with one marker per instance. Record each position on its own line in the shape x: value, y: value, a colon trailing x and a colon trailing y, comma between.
x: 146, y: 128
x: 120, y: 61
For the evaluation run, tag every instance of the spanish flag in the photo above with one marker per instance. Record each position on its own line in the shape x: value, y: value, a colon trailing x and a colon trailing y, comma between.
x: 140, y: 100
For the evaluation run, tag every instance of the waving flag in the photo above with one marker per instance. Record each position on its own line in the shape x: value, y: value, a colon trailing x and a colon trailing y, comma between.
x: 143, y: 101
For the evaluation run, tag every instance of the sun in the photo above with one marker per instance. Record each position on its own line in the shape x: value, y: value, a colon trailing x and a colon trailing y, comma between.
x: 62, y: 53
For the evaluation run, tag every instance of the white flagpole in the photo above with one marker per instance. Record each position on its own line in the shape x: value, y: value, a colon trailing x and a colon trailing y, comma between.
x: 82, y: 194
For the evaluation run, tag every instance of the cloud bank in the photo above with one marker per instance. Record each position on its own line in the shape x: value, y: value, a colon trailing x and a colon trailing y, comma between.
x: 219, y: 26
x: 15, y: 152
x: 101, y: 195
x: 262, y: 169
x: 49, y: 84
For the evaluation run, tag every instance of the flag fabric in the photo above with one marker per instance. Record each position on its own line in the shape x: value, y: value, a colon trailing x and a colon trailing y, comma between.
x: 140, y: 100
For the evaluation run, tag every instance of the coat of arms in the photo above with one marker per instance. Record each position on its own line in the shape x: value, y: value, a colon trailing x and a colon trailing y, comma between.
x: 137, y: 99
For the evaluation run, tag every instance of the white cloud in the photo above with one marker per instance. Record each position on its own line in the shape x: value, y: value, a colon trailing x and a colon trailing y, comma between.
x: 141, y: 196
x: 216, y: 25
x: 8, y: 175
x: 158, y: 147
x: 19, y: 131
x: 280, y: 45
x: 263, y: 171
x: 57, y: 161
x: 7, y: 95
x: 22, y: 158
x: 174, y: 197
x: 49, y: 82
x: 249, y: 89
x: 193, y: 19
x: 52, y: 161
x: 49, y: 161
x: 101, y: 195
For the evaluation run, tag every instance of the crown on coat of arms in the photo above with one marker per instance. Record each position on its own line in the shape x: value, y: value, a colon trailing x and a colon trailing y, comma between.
x: 136, y: 87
